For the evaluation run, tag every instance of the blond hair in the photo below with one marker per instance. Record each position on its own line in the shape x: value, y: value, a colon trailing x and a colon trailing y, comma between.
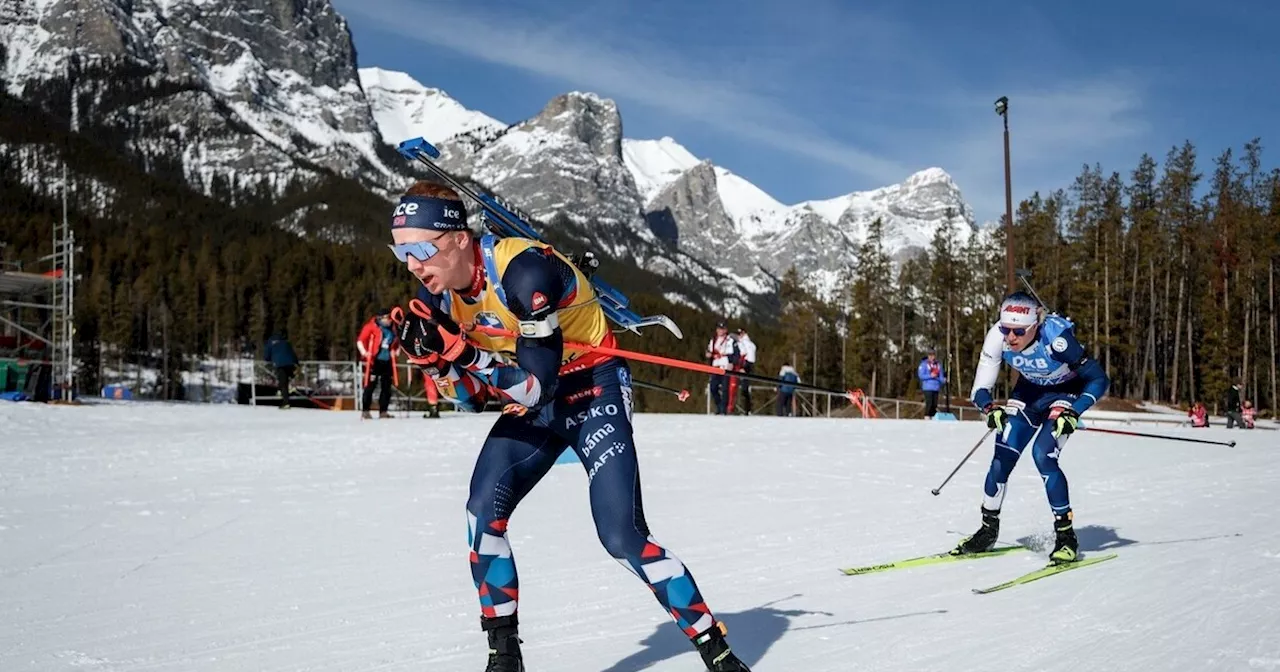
x: 428, y: 189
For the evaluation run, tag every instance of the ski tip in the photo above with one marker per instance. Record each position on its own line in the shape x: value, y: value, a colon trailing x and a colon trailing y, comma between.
x: 410, y: 148
x: 671, y: 326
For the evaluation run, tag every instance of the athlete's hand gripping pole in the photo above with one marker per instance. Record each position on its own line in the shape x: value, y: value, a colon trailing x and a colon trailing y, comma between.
x: 430, y: 336
x: 938, y: 490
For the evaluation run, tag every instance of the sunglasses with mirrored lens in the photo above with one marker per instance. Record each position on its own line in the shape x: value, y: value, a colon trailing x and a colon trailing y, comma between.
x: 1020, y: 331
x: 421, y: 251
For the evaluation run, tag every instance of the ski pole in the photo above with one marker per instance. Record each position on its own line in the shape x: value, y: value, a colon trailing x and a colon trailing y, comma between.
x: 672, y: 362
x: 1160, y: 436
x: 938, y: 490
x: 682, y: 395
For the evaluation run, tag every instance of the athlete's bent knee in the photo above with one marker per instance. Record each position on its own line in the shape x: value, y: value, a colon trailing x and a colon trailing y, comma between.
x: 1047, y: 458
x: 620, y: 543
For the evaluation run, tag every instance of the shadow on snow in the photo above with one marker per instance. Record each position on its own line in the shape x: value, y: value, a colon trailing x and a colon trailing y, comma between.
x: 751, y: 633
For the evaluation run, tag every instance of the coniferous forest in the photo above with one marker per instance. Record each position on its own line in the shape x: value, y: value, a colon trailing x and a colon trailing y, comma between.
x: 1168, y: 271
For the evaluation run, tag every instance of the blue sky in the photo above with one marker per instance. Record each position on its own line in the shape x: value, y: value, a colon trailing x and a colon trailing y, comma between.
x: 815, y: 98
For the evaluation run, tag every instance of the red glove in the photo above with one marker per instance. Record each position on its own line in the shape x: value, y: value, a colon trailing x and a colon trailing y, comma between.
x: 429, y: 335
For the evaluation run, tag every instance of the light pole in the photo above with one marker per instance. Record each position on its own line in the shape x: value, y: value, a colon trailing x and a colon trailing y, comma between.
x: 1002, y: 109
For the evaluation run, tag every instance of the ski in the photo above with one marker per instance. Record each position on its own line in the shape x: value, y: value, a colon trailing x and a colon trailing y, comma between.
x: 505, y: 221
x: 1048, y: 570
x: 937, y: 558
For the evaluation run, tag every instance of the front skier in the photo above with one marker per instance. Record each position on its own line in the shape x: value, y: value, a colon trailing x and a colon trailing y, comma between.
x: 1057, y: 382
x: 554, y: 398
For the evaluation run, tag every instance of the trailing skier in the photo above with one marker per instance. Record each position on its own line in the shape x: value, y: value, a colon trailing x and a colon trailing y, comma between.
x: 1057, y: 382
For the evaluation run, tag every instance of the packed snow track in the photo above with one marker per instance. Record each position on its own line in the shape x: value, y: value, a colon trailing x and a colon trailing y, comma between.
x: 203, y: 538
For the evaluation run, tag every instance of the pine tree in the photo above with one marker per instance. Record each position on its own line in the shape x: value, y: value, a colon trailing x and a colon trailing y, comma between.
x: 944, y: 263
x: 870, y: 307
x: 1148, y: 246
x: 1181, y: 215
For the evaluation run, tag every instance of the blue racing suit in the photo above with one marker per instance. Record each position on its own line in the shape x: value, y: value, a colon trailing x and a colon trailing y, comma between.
x: 1054, y: 373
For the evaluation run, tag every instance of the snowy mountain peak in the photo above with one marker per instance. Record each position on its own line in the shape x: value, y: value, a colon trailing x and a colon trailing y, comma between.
x: 929, y: 175
x: 404, y: 108
x: 589, y: 98
x: 391, y: 80
x: 655, y: 163
x: 585, y: 118
x: 713, y: 214
x: 565, y: 160
x: 744, y: 202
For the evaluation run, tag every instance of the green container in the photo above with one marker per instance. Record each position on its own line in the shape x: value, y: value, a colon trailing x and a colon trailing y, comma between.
x: 13, y: 376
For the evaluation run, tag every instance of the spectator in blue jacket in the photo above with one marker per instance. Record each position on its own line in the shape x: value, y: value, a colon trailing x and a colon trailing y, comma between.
x: 280, y: 354
x: 786, y: 393
x: 931, y: 379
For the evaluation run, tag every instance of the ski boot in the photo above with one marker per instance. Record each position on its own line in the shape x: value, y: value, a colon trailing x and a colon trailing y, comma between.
x: 1066, y: 545
x: 504, y: 644
x: 715, y: 651
x: 985, y: 538
x: 433, y: 411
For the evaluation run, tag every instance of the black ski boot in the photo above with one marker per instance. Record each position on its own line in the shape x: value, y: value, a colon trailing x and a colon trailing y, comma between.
x: 433, y: 411
x: 715, y: 651
x: 985, y: 538
x: 504, y: 644
x: 1066, y: 545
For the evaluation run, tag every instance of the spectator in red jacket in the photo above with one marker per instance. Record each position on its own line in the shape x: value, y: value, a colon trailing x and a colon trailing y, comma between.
x: 378, y: 346
x: 1199, y: 415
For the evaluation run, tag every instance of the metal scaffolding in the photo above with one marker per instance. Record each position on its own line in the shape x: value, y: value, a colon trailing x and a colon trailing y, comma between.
x: 63, y: 341
x: 37, y: 312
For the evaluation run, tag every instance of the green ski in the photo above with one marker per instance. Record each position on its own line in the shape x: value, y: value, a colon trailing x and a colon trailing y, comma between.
x: 1049, y: 570
x: 929, y: 560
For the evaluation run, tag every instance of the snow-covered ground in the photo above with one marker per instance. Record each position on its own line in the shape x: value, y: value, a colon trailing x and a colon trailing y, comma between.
x: 225, y: 538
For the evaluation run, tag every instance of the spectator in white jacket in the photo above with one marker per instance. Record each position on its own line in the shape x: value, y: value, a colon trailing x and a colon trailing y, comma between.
x: 722, y: 351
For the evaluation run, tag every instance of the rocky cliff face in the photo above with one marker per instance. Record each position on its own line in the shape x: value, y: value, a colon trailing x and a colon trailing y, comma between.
x: 714, y: 215
x: 566, y: 160
x: 251, y: 92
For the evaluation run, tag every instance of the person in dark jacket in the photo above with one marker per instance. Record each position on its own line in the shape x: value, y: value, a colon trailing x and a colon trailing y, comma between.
x: 1233, y: 407
x: 280, y: 354
x: 786, y: 393
x: 931, y: 378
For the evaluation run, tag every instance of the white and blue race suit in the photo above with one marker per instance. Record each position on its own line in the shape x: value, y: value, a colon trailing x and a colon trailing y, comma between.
x: 1054, y: 373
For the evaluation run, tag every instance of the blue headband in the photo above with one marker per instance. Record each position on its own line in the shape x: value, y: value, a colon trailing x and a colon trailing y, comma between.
x: 433, y: 214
